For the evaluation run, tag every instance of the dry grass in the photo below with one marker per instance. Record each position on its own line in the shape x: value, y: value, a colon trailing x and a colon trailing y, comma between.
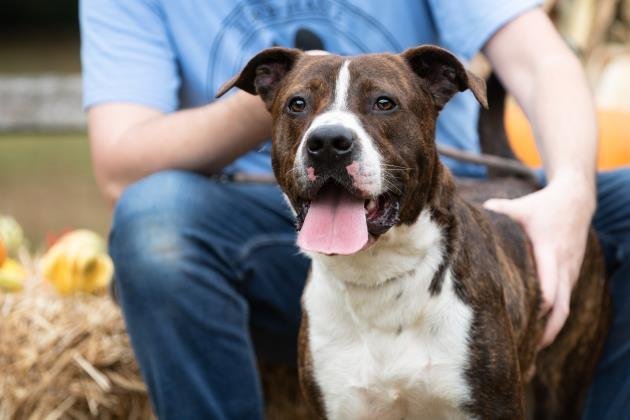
x: 66, y: 358
x: 70, y: 358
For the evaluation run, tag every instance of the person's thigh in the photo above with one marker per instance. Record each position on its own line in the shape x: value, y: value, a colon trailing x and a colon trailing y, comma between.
x: 271, y: 275
x: 191, y: 281
x: 609, y: 397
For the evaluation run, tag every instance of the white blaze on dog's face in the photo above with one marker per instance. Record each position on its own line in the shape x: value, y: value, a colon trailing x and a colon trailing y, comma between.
x: 353, y: 137
x: 365, y: 167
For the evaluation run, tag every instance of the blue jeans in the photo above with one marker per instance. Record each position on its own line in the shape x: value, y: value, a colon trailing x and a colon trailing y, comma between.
x: 609, y: 397
x: 198, y: 265
x: 208, y: 276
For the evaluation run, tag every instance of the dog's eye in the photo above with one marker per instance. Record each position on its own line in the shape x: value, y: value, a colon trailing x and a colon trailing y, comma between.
x: 383, y: 103
x: 297, y: 105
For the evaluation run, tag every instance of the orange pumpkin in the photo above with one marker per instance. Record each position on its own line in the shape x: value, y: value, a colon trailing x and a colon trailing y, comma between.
x: 614, y: 137
x: 3, y: 252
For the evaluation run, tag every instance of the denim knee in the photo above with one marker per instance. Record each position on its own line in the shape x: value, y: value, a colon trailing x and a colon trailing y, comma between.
x: 145, y: 242
x: 156, y: 232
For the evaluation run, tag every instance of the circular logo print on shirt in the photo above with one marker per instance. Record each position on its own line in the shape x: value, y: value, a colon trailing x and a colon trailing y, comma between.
x: 253, y: 25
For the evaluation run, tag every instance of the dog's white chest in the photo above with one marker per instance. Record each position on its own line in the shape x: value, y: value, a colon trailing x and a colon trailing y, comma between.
x: 391, y: 352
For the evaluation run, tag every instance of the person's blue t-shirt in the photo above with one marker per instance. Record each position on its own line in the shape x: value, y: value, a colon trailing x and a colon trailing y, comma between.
x: 175, y: 54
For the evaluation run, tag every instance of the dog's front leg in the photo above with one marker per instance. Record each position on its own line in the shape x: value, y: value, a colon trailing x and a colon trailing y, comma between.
x: 310, y: 390
x: 494, y: 372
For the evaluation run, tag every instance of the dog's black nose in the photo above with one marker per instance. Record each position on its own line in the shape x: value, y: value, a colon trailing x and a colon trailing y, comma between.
x: 330, y: 142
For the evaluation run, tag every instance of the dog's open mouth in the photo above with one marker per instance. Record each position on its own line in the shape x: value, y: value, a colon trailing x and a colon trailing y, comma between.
x: 339, y: 221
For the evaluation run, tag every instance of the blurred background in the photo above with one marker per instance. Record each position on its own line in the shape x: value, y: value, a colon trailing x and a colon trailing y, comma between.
x: 45, y: 177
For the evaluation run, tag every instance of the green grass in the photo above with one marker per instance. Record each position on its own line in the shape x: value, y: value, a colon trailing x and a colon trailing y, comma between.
x: 46, y: 183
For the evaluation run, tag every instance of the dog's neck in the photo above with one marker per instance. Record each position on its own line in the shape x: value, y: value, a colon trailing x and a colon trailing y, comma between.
x: 389, y: 285
x: 406, y: 248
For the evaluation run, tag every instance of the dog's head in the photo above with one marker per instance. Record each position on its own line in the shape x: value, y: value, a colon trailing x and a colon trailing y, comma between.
x: 354, y: 137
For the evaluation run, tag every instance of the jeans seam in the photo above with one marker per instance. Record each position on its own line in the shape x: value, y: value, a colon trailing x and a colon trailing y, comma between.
x: 257, y: 242
x: 265, y: 240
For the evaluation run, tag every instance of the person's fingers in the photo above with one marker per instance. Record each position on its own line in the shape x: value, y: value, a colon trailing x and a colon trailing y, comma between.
x: 559, y: 314
x: 547, y: 269
x: 556, y: 266
x: 504, y: 206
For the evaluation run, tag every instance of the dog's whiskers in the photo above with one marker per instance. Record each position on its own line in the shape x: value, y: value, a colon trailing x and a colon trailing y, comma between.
x: 391, y: 166
x: 389, y: 182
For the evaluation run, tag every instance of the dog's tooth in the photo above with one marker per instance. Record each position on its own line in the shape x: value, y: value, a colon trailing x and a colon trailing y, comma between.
x: 371, y: 204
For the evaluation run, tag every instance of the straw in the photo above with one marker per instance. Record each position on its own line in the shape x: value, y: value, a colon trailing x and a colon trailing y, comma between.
x: 70, y: 358
x: 66, y: 357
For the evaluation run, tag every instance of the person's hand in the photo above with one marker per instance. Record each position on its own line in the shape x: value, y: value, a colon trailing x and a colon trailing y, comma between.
x: 557, y: 220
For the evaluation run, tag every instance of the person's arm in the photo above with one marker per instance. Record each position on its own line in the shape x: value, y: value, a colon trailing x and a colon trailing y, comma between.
x: 131, y: 84
x: 548, y: 82
x: 130, y: 141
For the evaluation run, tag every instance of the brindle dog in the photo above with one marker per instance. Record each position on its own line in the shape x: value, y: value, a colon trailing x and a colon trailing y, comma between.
x: 362, y: 129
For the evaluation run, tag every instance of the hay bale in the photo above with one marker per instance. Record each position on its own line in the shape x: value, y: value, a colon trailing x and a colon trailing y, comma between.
x: 66, y: 358
x: 70, y: 358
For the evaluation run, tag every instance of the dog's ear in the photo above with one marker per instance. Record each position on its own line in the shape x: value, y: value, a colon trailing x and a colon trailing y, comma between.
x: 444, y: 74
x: 263, y: 73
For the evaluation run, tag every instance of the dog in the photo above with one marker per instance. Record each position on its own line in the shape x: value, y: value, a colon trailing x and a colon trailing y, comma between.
x: 420, y: 303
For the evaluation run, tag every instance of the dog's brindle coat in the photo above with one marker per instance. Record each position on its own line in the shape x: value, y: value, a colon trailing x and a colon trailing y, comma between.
x: 462, y: 341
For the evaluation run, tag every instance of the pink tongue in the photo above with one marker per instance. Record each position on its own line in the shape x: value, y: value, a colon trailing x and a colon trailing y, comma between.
x: 334, y: 224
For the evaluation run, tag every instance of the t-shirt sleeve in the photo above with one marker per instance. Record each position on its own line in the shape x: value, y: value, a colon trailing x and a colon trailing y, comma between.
x: 464, y: 26
x: 127, y: 55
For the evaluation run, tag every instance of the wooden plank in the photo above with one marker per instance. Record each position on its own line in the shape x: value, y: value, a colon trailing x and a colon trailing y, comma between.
x: 41, y: 103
